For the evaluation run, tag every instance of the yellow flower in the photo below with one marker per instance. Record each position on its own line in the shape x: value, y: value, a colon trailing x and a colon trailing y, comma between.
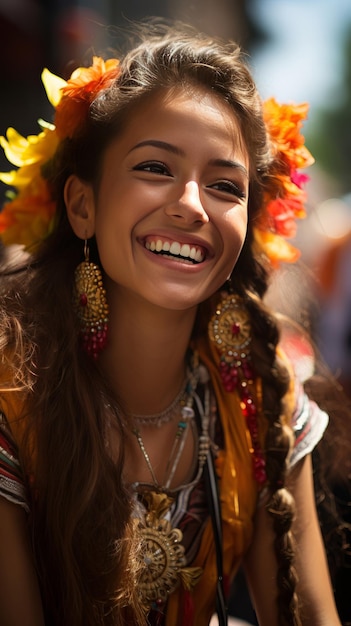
x: 26, y: 219
x: 53, y: 86
x: 21, y: 151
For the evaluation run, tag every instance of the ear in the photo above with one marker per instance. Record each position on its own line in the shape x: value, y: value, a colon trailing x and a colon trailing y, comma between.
x: 80, y: 206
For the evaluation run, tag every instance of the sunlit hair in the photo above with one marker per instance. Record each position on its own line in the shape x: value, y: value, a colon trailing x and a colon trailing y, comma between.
x: 81, y: 520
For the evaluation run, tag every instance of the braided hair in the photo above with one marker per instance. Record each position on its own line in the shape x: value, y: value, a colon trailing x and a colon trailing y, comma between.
x: 64, y: 384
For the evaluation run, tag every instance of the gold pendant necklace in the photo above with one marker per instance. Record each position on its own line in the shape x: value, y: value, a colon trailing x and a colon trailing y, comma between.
x: 162, y: 556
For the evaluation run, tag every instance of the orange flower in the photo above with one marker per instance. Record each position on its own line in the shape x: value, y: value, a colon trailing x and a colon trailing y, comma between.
x: 284, y: 123
x: 27, y: 220
x: 275, y: 247
x: 278, y: 218
x: 78, y: 93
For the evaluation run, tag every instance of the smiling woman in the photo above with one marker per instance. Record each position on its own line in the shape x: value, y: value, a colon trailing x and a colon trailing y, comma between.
x: 153, y: 437
x: 175, y: 174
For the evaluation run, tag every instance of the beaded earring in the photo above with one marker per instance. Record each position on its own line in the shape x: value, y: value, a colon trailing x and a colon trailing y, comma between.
x: 90, y: 304
x: 230, y: 330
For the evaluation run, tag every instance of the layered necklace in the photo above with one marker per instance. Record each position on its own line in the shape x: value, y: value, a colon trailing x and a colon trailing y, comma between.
x: 181, y: 407
x: 162, y: 556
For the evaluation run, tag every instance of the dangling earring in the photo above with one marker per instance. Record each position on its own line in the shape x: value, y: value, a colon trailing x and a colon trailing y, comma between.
x: 90, y: 304
x: 230, y: 330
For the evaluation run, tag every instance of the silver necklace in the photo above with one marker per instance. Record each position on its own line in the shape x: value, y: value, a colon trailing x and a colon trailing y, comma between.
x: 165, y: 416
x: 187, y: 415
x: 185, y: 401
x: 204, y: 443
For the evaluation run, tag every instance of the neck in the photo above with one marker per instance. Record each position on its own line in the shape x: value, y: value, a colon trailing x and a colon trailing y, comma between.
x: 145, y: 358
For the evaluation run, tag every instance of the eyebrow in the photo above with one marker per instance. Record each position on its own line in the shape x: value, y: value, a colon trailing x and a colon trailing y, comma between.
x: 159, y: 144
x: 164, y: 145
x: 231, y: 164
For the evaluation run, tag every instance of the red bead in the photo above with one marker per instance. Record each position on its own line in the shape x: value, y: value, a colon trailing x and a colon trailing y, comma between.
x: 83, y: 300
x: 244, y: 391
x: 259, y: 462
x: 235, y: 328
x: 260, y: 476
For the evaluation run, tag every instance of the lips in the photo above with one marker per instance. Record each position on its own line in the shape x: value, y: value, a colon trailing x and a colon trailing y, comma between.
x: 191, y: 252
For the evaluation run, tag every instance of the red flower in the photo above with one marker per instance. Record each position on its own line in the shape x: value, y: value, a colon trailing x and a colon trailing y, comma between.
x: 283, y: 216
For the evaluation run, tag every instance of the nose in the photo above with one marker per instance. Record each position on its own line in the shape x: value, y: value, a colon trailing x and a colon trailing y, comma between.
x: 188, y: 206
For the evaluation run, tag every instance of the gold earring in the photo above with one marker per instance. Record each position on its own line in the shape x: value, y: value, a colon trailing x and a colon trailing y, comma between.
x: 90, y: 304
x: 230, y: 330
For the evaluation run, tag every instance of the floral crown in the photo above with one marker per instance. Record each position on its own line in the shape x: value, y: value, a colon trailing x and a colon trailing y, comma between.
x: 28, y: 214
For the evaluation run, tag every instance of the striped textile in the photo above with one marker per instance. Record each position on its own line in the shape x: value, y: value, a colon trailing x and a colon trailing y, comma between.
x: 11, y: 478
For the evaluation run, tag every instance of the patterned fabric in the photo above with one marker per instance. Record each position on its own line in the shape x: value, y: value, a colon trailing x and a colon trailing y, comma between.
x: 239, y: 493
x: 190, y: 512
x: 11, y: 479
x: 309, y: 423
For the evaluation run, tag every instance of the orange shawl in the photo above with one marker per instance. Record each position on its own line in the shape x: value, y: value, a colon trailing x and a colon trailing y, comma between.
x: 238, y: 495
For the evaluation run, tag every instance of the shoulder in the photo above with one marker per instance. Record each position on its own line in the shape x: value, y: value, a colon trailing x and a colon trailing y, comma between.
x: 306, y: 419
x: 13, y: 396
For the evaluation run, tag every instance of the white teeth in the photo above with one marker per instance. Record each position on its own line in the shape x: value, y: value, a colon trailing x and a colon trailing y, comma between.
x: 198, y: 256
x: 185, y: 250
x: 176, y: 249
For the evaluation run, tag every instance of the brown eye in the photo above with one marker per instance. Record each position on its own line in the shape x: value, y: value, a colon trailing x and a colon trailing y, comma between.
x: 228, y: 187
x: 154, y: 167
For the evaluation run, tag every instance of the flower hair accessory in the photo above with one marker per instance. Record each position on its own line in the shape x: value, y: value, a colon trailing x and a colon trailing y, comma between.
x: 285, y: 203
x: 28, y: 214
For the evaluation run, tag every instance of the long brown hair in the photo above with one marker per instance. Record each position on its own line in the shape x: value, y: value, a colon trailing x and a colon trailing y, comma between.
x: 80, y: 507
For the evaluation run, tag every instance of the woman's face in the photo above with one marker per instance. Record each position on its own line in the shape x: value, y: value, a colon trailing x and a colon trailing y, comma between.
x: 171, y: 209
